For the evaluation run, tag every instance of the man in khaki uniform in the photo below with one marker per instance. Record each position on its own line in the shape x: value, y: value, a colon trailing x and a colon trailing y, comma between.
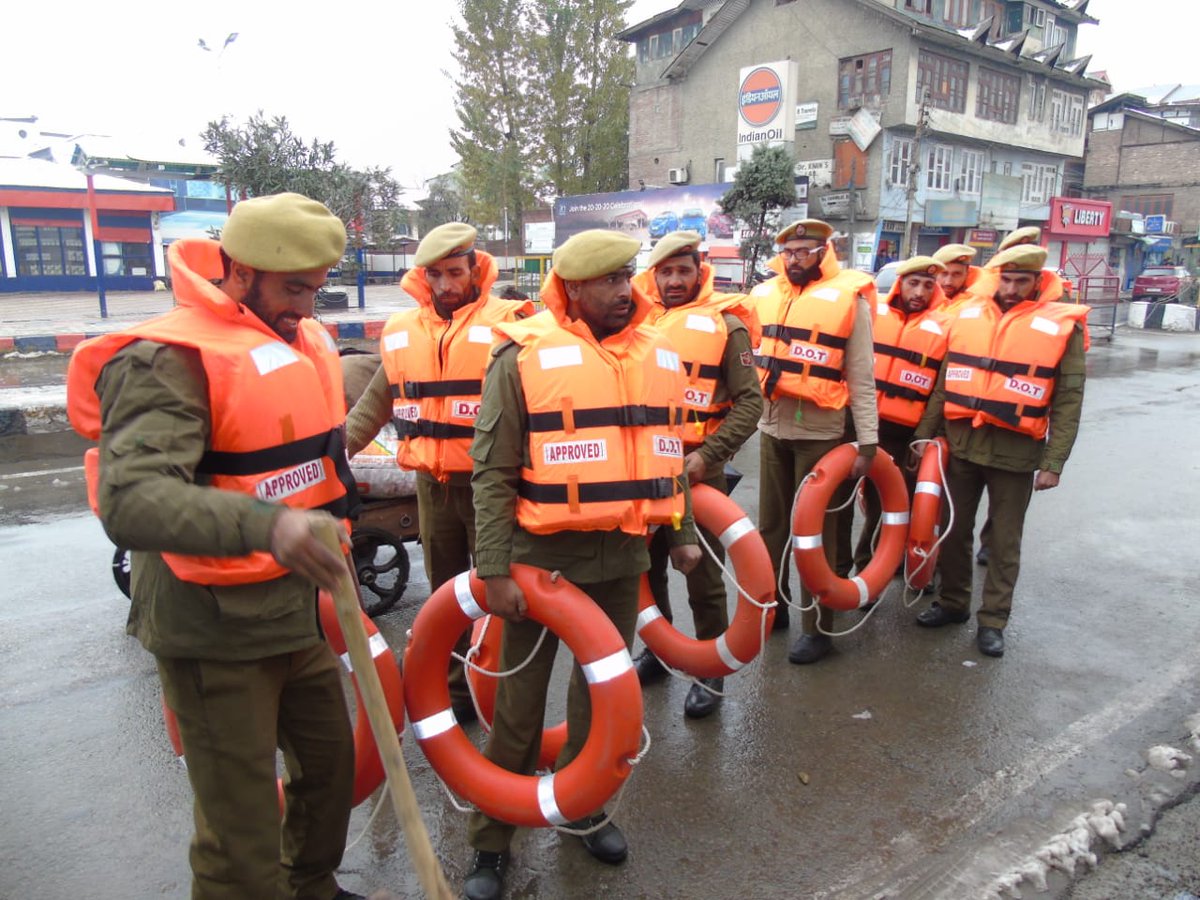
x: 801, y: 424
x: 592, y: 311
x: 992, y: 408
x: 722, y: 405
x: 435, y: 350
x: 242, y: 660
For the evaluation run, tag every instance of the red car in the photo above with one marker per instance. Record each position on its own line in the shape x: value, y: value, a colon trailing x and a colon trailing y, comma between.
x: 1168, y: 283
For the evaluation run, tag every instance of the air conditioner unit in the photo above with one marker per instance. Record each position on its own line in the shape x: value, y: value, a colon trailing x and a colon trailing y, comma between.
x: 677, y: 176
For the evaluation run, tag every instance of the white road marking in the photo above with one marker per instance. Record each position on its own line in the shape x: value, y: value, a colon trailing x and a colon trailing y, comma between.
x: 41, y: 472
x: 1009, y: 783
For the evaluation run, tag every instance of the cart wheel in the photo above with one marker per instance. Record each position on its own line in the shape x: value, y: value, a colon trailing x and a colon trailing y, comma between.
x: 382, y: 566
x: 121, y: 565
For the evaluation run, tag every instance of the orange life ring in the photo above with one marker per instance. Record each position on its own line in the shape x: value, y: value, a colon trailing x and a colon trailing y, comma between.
x: 368, y: 767
x: 486, y: 635
x: 807, y: 544
x: 921, y: 552
x: 582, y: 786
x: 742, y: 641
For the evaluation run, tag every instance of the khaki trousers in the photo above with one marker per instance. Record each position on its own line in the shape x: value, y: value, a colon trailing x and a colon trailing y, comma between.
x: 516, y: 737
x: 446, y: 521
x: 232, y: 716
x: 1008, y: 499
x: 782, y: 466
x: 707, y: 596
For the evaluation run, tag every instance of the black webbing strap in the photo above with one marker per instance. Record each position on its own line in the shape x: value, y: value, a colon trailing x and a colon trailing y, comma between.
x: 895, y: 390
x: 788, y: 333
x: 608, y: 416
x: 1009, y: 413
x: 912, y: 356
x: 1000, y: 366
x: 599, y: 491
x: 426, y: 428
x: 416, y: 390
x: 702, y: 370
x: 776, y: 367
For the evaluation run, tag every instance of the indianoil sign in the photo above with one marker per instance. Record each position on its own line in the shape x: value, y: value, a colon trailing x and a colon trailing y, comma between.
x: 766, y: 102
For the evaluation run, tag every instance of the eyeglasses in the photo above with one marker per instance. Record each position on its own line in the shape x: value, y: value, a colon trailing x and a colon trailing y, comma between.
x: 801, y: 254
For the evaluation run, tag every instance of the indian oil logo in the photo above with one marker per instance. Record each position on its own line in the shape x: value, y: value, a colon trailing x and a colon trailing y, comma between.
x: 760, y: 97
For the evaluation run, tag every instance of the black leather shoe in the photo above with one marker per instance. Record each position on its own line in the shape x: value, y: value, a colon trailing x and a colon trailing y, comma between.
x: 782, y: 616
x: 937, y: 616
x: 809, y: 648
x: 990, y: 641
x: 981, y: 558
x: 485, y: 881
x: 702, y: 702
x: 649, y: 669
x: 607, y: 844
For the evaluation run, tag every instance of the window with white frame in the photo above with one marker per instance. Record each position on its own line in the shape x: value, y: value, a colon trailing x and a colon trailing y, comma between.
x: 1037, y: 99
x: 900, y: 161
x: 1055, y: 33
x: 1037, y: 16
x: 970, y: 171
x: 1066, y: 113
x: 1040, y: 182
x: 939, y: 168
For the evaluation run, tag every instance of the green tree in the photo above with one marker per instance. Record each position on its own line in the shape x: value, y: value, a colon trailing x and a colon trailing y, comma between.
x: 263, y: 156
x: 764, y: 185
x: 443, y: 203
x: 492, y: 143
x: 581, y: 79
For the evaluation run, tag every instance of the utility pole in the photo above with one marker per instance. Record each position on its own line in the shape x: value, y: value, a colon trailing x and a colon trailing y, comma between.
x: 853, y: 214
x: 914, y: 169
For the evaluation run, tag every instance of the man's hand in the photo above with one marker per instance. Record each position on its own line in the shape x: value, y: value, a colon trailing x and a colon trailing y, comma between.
x: 694, y: 467
x: 862, y: 465
x: 685, y: 557
x: 295, y: 546
x: 505, y: 598
x: 1046, y: 480
x: 912, y: 459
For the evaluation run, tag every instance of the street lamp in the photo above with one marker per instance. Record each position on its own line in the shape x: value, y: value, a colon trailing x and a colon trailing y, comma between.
x: 97, y: 252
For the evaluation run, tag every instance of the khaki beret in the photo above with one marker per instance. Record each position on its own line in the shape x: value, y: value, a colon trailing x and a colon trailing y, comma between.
x: 283, y: 233
x: 451, y: 239
x: 1021, y: 258
x: 919, y: 265
x: 1030, y: 234
x: 591, y: 254
x: 805, y: 228
x: 955, y: 253
x: 673, y: 244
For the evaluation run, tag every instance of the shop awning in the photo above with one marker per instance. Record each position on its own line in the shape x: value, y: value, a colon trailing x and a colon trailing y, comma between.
x: 1157, y: 243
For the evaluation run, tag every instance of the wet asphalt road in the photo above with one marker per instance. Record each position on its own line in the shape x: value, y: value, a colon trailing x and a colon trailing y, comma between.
x: 904, y: 765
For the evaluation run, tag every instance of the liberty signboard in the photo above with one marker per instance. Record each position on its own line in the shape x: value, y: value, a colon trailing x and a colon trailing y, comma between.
x: 766, y: 104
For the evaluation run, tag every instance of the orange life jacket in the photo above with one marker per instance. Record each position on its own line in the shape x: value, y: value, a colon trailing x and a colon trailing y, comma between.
x: 1001, y: 367
x: 698, y: 331
x: 805, y: 332
x: 909, y: 349
x: 604, y: 422
x: 435, y: 367
x: 277, y: 409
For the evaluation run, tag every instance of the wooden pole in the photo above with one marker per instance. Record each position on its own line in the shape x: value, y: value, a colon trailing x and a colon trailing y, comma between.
x: 404, y: 801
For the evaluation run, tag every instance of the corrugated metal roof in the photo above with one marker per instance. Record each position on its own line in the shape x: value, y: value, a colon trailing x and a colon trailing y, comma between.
x: 37, y: 173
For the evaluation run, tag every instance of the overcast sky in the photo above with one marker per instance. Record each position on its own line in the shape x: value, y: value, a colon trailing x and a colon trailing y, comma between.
x: 369, y: 75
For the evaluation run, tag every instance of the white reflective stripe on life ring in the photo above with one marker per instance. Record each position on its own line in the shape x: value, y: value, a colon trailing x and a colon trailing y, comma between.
x: 736, y: 532
x: 895, y: 518
x: 378, y: 646
x: 648, y: 615
x: 929, y: 487
x: 547, y: 802
x: 864, y: 595
x: 432, y: 726
x: 608, y: 668
x: 726, y: 654
x: 466, y: 600
x: 806, y: 541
